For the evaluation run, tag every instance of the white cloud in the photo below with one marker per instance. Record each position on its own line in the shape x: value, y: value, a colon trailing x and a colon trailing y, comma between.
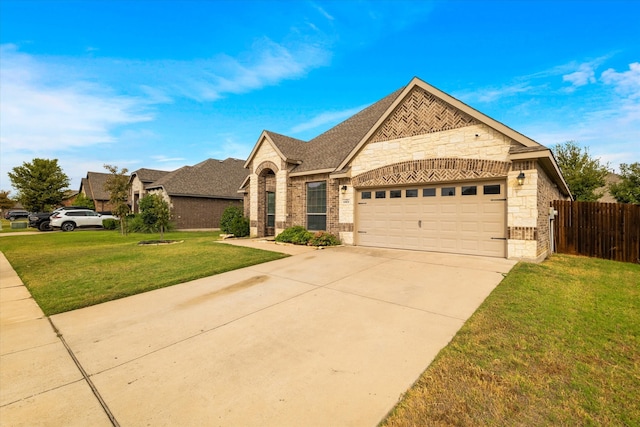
x: 323, y: 12
x: 332, y: 117
x: 165, y: 159
x: 38, y: 113
x: 267, y: 64
x: 492, y: 94
x: 626, y: 83
x: 583, y: 76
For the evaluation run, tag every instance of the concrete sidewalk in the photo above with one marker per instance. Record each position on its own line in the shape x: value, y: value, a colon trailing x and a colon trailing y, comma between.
x: 39, y: 382
x: 324, y: 337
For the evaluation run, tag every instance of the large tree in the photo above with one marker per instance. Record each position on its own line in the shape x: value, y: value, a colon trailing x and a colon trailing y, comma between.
x: 583, y: 174
x: 117, y: 185
x: 628, y: 189
x: 41, y: 184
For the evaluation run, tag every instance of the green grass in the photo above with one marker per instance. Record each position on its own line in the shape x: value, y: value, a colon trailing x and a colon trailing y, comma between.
x: 66, y: 271
x: 555, y: 344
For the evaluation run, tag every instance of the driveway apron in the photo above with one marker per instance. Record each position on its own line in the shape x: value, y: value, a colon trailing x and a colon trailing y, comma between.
x: 324, y: 337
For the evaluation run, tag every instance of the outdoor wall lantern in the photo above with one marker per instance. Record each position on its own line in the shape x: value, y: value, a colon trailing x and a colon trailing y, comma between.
x: 344, y: 189
x: 520, y: 178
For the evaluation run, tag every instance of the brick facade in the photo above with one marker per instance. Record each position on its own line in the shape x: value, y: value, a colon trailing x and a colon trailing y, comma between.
x: 198, y: 212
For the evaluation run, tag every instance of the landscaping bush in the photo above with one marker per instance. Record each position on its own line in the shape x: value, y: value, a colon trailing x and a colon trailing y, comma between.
x: 136, y: 224
x: 234, y: 222
x: 322, y: 238
x: 110, y: 224
x: 297, y: 235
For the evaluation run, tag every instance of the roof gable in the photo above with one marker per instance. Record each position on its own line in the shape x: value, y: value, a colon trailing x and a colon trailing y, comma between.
x: 420, y: 101
x: 93, y: 185
x: 148, y: 175
x: 419, y: 113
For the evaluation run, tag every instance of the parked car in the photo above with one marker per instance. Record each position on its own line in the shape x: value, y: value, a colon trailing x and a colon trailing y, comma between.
x: 69, y: 220
x: 40, y: 220
x: 14, y: 214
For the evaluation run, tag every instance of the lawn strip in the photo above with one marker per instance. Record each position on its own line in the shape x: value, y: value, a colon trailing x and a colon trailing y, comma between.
x: 556, y: 343
x: 67, y: 271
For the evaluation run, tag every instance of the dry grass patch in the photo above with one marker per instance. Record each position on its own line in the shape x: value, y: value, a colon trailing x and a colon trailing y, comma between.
x: 554, y: 344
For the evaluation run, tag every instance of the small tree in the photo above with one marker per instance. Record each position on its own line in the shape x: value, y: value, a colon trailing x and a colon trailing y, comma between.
x: 155, y: 213
x: 583, y: 174
x: 5, y: 200
x: 628, y: 189
x: 117, y: 185
x: 84, y: 201
x: 234, y: 222
x: 41, y: 184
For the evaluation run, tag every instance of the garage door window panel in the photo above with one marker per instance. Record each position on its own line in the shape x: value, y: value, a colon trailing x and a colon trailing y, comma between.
x: 491, y: 189
x: 470, y: 190
x: 428, y: 192
x: 448, y: 191
x: 365, y: 195
x: 381, y: 194
x: 395, y: 194
x: 317, y: 206
x: 411, y: 193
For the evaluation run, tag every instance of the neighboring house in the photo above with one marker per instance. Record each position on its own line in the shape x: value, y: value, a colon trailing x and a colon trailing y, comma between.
x: 418, y: 170
x: 199, y: 194
x: 612, y: 178
x: 93, y: 187
x: 69, y: 198
x: 139, y: 181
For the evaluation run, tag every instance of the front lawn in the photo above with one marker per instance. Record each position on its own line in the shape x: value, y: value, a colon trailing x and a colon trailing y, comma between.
x: 555, y: 344
x: 66, y: 271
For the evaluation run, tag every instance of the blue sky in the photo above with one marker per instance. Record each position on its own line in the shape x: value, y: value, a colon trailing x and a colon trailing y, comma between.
x: 162, y: 84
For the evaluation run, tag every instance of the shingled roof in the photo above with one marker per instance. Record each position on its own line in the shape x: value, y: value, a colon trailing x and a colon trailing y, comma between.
x: 148, y: 176
x: 211, y: 178
x: 327, y: 150
x: 93, y: 185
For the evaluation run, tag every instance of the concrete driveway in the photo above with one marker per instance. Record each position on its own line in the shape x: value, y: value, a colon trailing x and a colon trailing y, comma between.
x: 325, y: 337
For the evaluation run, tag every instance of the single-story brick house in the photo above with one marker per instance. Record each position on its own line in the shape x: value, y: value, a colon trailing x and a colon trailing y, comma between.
x: 418, y: 170
x: 139, y: 182
x: 199, y: 194
x: 92, y: 186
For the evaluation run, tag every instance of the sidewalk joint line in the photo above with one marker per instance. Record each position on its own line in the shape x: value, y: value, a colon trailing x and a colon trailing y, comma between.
x: 92, y: 386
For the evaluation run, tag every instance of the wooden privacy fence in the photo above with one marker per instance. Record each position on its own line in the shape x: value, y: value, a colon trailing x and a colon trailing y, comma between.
x: 602, y: 230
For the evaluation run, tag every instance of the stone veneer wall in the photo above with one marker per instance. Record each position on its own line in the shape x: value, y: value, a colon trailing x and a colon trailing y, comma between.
x: 470, y: 142
x: 136, y: 193
x: 547, y: 192
x: 266, y: 158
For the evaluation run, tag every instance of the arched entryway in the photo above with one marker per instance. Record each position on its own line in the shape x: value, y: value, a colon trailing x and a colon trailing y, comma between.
x: 266, y: 199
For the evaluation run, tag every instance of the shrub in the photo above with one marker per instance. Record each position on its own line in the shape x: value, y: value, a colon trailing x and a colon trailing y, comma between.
x: 297, y: 235
x: 322, y: 238
x: 136, y: 224
x: 234, y: 222
x: 110, y: 224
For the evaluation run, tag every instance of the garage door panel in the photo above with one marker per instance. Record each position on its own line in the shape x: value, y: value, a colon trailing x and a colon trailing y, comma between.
x: 469, y: 224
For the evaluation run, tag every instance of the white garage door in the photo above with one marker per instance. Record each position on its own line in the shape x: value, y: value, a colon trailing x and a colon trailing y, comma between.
x: 464, y: 218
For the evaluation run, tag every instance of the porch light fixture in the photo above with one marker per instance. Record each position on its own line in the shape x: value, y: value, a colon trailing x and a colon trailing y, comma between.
x: 520, y: 178
x: 344, y: 189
